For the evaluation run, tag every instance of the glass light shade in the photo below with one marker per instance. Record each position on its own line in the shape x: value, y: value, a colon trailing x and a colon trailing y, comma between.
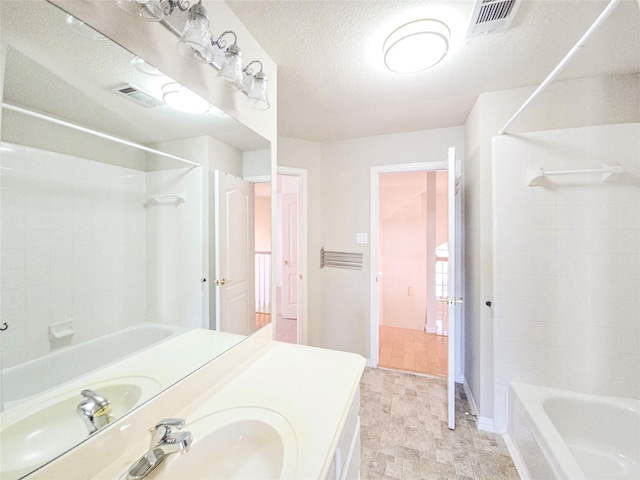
x: 149, y: 10
x: 231, y: 70
x: 416, y: 46
x: 184, y: 100
x: 258, y: 97
x: 195, y: 41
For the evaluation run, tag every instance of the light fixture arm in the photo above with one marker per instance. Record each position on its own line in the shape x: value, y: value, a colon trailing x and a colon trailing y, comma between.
x: 182, y: 5
x: 220, y: 43
x: 249, y: 71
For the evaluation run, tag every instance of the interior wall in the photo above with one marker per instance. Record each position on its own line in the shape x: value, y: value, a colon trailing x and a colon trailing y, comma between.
x: 564, y: 104
x: 175, y: 248
x: 346, y: 173
x: 73, y: 248
x: 567, y: 263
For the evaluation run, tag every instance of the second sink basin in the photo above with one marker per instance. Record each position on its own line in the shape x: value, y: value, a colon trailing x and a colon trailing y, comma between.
x: 52, y: 427
x: 238, y: 443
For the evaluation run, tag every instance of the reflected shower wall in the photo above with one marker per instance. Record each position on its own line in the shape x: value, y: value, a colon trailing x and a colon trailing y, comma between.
x: 567, y: 263
x: 79, y: 240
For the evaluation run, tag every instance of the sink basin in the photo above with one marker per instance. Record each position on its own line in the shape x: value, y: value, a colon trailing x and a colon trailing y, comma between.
x: 239, y: 443
x: 34, y: 435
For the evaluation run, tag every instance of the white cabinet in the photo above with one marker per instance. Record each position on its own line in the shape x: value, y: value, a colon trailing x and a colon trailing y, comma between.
x: 346, y: 458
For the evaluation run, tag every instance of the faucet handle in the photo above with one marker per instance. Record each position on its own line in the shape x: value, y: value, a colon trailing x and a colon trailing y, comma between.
x: 162, y: 430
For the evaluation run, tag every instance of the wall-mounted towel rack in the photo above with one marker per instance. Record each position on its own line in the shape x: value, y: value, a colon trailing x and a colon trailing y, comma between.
x: 535, y: 174
x: 178, y: 197
x: 348, y: 260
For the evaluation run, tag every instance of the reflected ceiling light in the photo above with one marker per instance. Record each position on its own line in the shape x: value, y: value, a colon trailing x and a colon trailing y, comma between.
x: 84, y: 29
x: 195, y: 41
x: 184, y: 100
x: 149, y: 10
x: 416, y: 46
x: 257, y: 92
x: 231, y: 70
x: 145, y: 67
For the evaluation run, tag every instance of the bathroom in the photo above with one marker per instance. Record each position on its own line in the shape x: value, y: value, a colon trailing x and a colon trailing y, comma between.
x: 596, y: 341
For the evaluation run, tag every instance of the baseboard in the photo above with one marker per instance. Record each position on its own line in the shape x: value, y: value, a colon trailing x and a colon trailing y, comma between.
x: 430, y: 329
x: 486, y: 424
x: 521, y: 467
x: 472, y: 402
x: 367, y: 363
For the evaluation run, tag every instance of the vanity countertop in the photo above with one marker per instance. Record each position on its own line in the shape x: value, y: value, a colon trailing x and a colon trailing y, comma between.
x: 312, y: 388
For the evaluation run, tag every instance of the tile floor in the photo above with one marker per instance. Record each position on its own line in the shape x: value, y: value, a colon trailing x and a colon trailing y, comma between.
x: 404, y: 433
x: 413, y: 350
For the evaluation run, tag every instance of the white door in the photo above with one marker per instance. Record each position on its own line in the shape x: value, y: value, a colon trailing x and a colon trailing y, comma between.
x: 290, y: 255
x: 454, y: 284
x: 234, y: 254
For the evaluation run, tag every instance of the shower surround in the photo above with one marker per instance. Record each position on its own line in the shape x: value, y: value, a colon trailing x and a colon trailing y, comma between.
x: 567, y: 263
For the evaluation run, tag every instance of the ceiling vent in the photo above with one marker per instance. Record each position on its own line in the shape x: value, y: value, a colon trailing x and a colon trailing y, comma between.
x: 491, y: 16
x: 138, y: 96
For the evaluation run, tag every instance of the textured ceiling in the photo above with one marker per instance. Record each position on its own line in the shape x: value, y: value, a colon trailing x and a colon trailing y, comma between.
x: 333, y: 85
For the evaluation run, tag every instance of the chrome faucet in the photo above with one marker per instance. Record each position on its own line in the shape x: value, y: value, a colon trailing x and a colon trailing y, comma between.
x: 95, y: 410
x: 163, y: 444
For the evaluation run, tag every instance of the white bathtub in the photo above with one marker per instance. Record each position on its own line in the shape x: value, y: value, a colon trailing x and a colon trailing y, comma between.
x: 27, y: 379
x: 559, y: 434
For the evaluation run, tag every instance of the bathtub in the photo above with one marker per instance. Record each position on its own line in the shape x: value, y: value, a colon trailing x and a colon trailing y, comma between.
x: 559, y: 434
x: 24, y: 381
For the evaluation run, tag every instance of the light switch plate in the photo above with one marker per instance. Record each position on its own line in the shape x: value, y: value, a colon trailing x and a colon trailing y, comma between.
x: 362, y: 238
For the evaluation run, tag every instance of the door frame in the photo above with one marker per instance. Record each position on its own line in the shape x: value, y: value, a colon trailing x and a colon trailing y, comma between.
x: 303, y: 272
x: 374, y: 340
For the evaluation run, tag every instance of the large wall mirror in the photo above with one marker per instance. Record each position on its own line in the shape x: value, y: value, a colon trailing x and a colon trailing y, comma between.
x: 123, y: 269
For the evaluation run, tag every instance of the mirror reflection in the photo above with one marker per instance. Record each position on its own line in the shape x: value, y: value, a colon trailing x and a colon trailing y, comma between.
x: 123, y: 268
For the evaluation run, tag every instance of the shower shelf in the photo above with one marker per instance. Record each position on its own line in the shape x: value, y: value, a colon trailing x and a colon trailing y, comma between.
x: 178, y: 197
x: 534, y: 175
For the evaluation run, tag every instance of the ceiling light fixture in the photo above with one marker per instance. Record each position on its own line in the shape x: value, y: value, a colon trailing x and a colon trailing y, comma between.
x: 416, y: 46
x: 184, y: 100
x: 196, y: 42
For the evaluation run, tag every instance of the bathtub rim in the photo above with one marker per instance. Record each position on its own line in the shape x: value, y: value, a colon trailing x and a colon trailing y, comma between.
x: 530, y: 398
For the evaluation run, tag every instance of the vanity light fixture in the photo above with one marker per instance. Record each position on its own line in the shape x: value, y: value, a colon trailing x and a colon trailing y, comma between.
x: 149, y: 10
x: 184, y: 100
x: 257, y: 92
x: 231, y: 70
x: 197, y: 43
x: 416, y: 46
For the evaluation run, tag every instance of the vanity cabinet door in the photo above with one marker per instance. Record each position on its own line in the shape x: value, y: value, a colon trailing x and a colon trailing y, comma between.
x: 346, y: 458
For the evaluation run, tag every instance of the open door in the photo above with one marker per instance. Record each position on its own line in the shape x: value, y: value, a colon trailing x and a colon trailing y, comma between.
x: 234, y: 254
x: 454, y: 284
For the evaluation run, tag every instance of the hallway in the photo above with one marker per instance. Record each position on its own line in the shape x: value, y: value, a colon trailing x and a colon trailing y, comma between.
x: 413, y: 350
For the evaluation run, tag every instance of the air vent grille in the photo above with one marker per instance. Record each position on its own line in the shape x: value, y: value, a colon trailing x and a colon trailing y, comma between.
x: 137, y: 95
x: 492, y: 16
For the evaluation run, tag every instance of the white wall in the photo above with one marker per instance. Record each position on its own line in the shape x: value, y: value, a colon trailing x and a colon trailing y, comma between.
x: 175, y: 248
x: 567, y: 263
x: 339, y: 207
x: 73, y: 247
x: 582, y: 102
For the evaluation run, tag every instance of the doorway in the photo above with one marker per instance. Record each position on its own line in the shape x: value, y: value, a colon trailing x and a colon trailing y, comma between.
x: 412, y: 260
x: 291, y: 255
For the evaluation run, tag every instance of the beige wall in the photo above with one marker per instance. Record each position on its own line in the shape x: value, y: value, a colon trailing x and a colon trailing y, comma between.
x: 339, y: 208
x: 582, y: 102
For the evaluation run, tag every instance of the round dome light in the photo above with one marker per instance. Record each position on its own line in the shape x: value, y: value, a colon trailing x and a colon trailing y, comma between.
x: 416, y: 46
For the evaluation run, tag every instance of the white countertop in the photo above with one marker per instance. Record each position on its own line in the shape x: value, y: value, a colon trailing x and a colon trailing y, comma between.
x: 312, y: 388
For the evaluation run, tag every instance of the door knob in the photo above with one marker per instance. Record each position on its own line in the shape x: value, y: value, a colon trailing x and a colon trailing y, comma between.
x: 286, y: 262
x: 224, y: 281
